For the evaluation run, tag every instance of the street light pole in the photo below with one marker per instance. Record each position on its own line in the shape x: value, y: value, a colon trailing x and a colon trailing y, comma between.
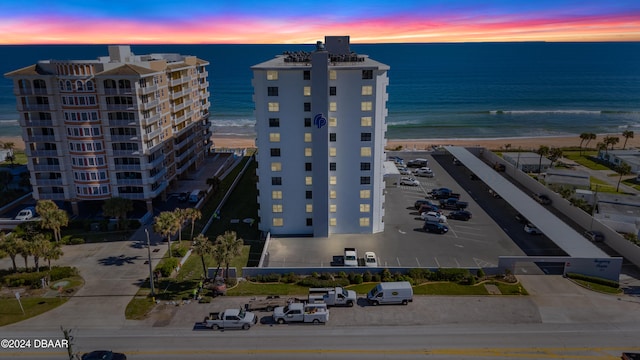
x: 153, y: 293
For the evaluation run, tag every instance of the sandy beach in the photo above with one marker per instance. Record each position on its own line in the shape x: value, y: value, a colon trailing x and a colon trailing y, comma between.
x: 422, y: 144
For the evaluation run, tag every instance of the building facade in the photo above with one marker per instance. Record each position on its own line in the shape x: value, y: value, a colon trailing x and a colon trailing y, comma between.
x: 320, y: 123
x: 120, y: 126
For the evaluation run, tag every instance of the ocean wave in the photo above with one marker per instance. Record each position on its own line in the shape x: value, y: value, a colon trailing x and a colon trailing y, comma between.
x: 247, y: 134
x: 233, y: 123
x: 526, y: 112
x: 8, y: 122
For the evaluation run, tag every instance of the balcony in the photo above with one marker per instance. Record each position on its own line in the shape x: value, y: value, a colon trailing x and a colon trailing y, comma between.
x: 148, y: 89
x: 132, y: 196
x: 154, y: 163
x: 41, y: 138
x: 127, y: 182
x: 179, y: 94
x: 94, y: 196
x: 46, y: 168
x: 158, y: 191
x: 151, y: 135
x: 50, y: 196
x: 43, y: 153
x: 126, y: 138
x: 157, y: 176
x: 121, y: 107
x: 48, y: 182
x: 117, y: 123
x: 148, y: 105
x: 150, y: 120
x: 121, y: 91
x: 125, y: 152
x: 120, y: 167
x: 34, y: 107
x: 180, y: 80
x: 37, y: 123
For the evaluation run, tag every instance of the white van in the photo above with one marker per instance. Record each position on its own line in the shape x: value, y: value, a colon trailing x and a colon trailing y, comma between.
x: 195, y: 196
x: 397, y: 292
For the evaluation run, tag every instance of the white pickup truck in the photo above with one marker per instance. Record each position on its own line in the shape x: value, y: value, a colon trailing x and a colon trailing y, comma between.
x: 231, y: 319
x: 299, y: 312
x: 334, y: 296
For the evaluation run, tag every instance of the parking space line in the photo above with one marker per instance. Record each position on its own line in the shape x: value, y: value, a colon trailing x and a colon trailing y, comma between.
x: 398, y: 260
x: 437, y: 263
x: 418, y: 261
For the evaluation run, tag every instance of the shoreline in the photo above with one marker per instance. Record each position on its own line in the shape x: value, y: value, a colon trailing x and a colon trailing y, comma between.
x: 524, y: 143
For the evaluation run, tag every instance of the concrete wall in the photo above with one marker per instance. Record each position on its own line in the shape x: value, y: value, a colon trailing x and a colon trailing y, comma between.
x: 614, y: 240
x: 252, y: 272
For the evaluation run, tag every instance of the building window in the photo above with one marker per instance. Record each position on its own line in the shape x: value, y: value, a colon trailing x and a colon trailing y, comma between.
x: 366, y: 121
x: 332, y: 136
x: 332, y: 166
x: 307, y: 166
x: 274, y: 122
x: 272, y: 91
x: 309, y: 222
x: 272, y: 75
x: 308, y: 152
x: 333, y: 151
x: 275, y: 151
x: 365, y: 151
x: 308, y: 180
x: 365, y: 136
x: 365, y: 194
x: 333, y: 75
x: 276, y: 208
x: 307, y: 122
x: 276, y: 180
x: 307, y: 106
x: 333, y: 194
x: 333, y: 208
x: 274, y: 107
x: 366, y: 106
x: 333, y: 122
x: 306, y: 91
x: 276, y: 166
x: 307, y: 137
x: 364, y: 166
x: 308, y: 194
x: 333, y: 180
x: 364, y: 221
x: 278, y: 222
x: 333, y: 106
x: 365, y: 180
x: 277, y: 194
x: 367, y: 90
x: 333, y: 222
x: 367, y: 74
x: 365, y: 208
x: 332, y: 91
x: 308, y: 208
x: 274, y: 137
x: 306, y: 75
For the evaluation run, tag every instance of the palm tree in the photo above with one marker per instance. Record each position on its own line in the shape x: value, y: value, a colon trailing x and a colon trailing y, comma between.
x: 611, y: 140
x: 543, y: 150
x: 232, y: 246
x: 626, y: 134
x: 9, y: 146
x: 53, y: 253
x: 181, y: 217
x: 117, y: 207
x: 203, y: 247
x: 193, y: 214
x: 52, y: 218
x: 219, y: 254
x: 40, y: 245
x: 622, y: 169
x: 583, y: 137
x: 507, y: 147
x: 602, y: 146
x: 11, y: 245
x: 554, y: 155
x: 592, y: 136
x: 166, y: 224
x: 25, y: 251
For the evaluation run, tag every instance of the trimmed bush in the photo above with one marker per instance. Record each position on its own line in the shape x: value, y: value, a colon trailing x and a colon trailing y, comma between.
x: 310, y: 281
x: 453, y: 275
x: 178, y: 251
x: 63, y: 272
x: 595, y: 280
x: 33, y: 279
x: 480, y: 274
x: 366, y: 277
x: 167, y: 266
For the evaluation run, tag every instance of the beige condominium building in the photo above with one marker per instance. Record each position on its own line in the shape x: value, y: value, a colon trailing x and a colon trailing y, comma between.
x: 123, y: 125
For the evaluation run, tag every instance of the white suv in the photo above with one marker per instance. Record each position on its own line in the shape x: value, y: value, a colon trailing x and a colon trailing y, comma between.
x: 433, y: 216
x: 425, y: 171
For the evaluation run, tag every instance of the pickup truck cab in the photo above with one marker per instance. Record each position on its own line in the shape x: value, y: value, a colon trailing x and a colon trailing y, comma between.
x: 231, y: 319
x: 453, y: 203
x: 333, y: 296
x: 299, y: 312
x: 350, y: 257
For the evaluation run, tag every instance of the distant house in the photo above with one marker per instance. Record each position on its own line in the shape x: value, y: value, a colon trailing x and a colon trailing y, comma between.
x: 619, y: 212
x: 527, y: 161
x: 4, y: 153
x: 573, y: 178
x: 616, y: 157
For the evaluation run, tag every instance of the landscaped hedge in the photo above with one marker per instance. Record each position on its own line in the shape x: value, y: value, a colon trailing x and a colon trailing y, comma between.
x: 33, y: 279
x: 595, y: 280
x: 167, y: 266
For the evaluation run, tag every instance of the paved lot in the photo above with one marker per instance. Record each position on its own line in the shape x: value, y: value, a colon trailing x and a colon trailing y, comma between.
x: 474, y: 243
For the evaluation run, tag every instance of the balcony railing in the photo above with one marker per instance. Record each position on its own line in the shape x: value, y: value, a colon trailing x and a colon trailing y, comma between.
x: 48, y: 182
x: 34, y: 107
x: 37, y: 123
x: 146, y: 105
x: 127, y: 138
x: 94, y: 196
x: 151, y: 135
x: 125, y: 152
x: 121, y: 91
x: 117, y: 123
x: 148, y: 89
x: 180, y: 80
x: 126, y: 182
x: 44, y: 153
x: 116, y: 107
x: 178, y: 94
x: 51, y: 196
x: 154, y: 163
x: 150, y: 120
x: 132, y: 196
x: 46, y: 168
x: 120, y: 167
x: 41, y: 138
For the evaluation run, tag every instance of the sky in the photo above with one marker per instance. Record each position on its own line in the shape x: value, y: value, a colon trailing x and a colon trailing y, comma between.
x: 304, y: 21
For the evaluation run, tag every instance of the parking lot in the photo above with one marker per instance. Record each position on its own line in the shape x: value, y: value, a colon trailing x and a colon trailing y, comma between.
x: 475, y: 243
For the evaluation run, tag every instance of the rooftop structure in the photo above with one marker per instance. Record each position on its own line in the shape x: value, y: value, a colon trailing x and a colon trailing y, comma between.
x: 527, y: 161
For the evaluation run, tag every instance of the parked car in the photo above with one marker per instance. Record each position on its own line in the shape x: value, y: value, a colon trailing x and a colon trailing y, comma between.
x: 424, y: 172
x: 433, y: 216
x: 542, y: 199
x: 409, y: 181
x: 418, y: 204
x: 183, y: 196
x: 370, y: 259
x: 404, y: 171
x: 463, y: 215
x: 521, y: 219
x: 596, y: 236
x: 27, y: 213
x: 494, y: 194
x: 417, y: 163
x: 434, y: 227
x: 428, y: 207
x: 532, y: 229
x: 396, y: 159
x: 104, y: 355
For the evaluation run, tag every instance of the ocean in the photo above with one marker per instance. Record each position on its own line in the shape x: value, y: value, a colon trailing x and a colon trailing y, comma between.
x: 436, y: 91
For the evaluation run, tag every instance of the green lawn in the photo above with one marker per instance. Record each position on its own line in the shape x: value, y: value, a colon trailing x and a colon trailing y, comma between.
x: 10, y: 311
x: 586, y: 161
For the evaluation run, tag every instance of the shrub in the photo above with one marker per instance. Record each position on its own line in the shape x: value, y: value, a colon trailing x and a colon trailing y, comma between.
x: 204, y: 300
x: 386, y: 275
x: 453, y: 275
x: 595, y: 280
x: 343, y: 275
x: 419, y: 275
x: 376, y: 278
x: 480, y: 274
x: 62, y: 272
x: 366, y: 277
x: 310, y: 281
x: 231, y: 282
x: 32, y: 280
x: 289, y: 278
x: 167, y: 266
x: 357, y: 279
x: 268, y: 278
x: 179, y: 251
x: 76, y: 241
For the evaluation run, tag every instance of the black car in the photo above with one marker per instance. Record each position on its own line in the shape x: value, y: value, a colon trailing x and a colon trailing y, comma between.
x: 542, y: 199
x: 434, y: 227
x: 596, y: 236
x: 419, y: 203
x: 183, y: 196
x: 104, y: 355
x: 463, y: 215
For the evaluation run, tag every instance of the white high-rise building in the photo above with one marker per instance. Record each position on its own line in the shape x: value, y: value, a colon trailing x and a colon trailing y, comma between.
x: 320, y: 121
x: 123, y: 125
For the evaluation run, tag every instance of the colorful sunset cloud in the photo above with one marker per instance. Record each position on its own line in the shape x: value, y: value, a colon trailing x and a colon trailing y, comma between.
x: 304, y: 21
